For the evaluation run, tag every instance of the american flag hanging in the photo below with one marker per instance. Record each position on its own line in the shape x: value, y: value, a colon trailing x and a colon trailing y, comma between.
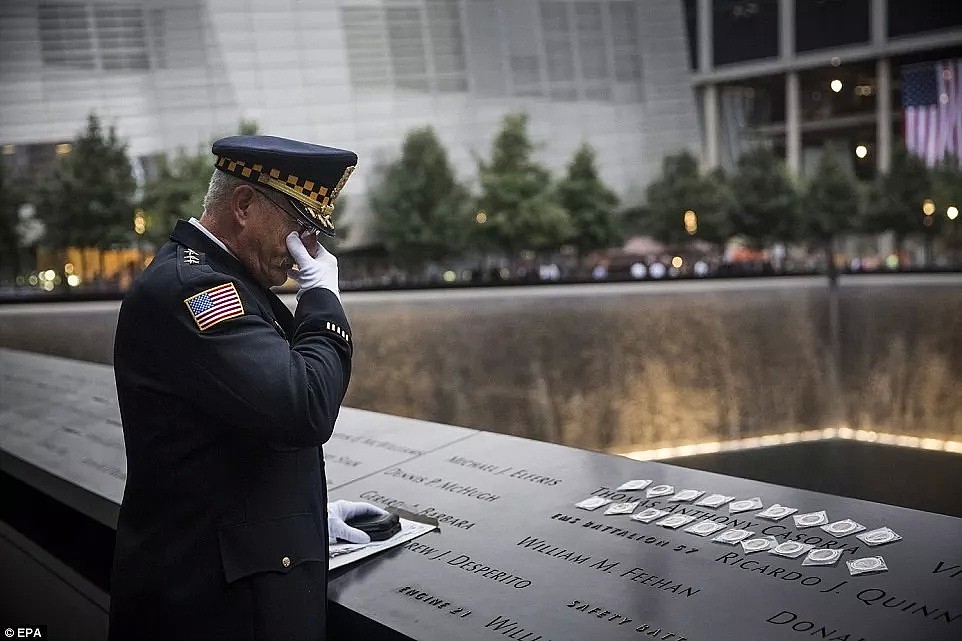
x: 932, y: 100
x: 215, y: 305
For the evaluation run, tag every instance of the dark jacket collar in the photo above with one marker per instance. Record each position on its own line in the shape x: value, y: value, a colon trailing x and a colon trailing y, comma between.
x: 188, y: 235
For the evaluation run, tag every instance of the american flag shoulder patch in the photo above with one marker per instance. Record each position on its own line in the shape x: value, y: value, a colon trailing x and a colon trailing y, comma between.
x: 215, y: 305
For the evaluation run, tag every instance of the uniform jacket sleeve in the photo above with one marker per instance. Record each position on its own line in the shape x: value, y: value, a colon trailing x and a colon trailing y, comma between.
x: 245, y: 371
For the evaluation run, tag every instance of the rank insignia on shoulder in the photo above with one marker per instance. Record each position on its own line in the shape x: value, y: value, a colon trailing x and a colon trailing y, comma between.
x: 340, y: 332
x: 192, y: 257
x: 215, y: 305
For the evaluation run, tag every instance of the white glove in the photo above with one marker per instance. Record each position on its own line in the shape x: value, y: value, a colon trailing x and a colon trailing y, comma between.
x: 340, y: 511
x: 312, y: 272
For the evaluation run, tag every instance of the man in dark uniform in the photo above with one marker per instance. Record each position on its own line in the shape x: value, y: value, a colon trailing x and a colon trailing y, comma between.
x: 226, y: 398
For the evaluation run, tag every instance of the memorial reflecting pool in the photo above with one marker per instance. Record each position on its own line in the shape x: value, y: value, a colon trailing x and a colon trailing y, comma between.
x: 649, y: 366
x: 634, y: 366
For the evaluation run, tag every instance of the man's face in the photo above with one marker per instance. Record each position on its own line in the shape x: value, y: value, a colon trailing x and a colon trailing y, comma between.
x: 263, y: 241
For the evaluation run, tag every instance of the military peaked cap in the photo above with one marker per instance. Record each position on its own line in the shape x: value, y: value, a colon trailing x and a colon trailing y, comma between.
x: 310, y: 176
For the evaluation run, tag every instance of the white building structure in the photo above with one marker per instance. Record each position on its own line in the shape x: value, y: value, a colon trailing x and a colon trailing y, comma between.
x: 174, y: 74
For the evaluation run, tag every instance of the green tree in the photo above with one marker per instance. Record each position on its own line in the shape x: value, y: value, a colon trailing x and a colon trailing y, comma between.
x: 10, y: 200
x: 248, y: 127
x: 946, y: 192
x: 764, y: 197
x: 176, y: 192
x: 517, y: 209
x: 590, y: 204
x: 87, y: 199
x: 830, y: 206
x: 421, y: 212
x: 682, y: 188
x: 897, y: 198
x: 178, y: 189
x: 946, y: 181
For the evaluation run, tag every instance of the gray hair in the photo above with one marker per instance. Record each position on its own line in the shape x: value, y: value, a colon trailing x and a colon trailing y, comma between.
x: 221, y: 186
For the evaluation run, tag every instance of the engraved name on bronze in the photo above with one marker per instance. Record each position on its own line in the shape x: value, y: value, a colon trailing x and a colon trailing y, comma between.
x: 869, y: 596
x: 443, y: 484
x: 608, y: 566
x: 486, y: 571
x: 811, y: 628
x: 340, y: 459
x: 513, y: 629
x: 469, y: 564
x: 59, y: 450
x: 770, y: 570
x: 451, y: 520
x: 876, y: 597
x: 376, y: 443
x: 374, y: 496
x: 106, y: 468
x: 616, y: 619
x: 598, y: 612
x: 113, y: 444
x: 520, y: 474
x: 429, y: 551
x: 424, y: 596
x: 645, y: 538
x: 949, y: 571
x: 781, y: 532
x: 654, y: 581
x: 544, y: 547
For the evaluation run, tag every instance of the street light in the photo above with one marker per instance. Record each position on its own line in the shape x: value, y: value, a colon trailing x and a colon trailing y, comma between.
x: 140, y: 226
x: 481, y: 218
x: 861, y: 151
x: 928, y: 207
x: 952, y: 212
x: 836, y: 85
x: 691, y: 222
x: 140, y: 223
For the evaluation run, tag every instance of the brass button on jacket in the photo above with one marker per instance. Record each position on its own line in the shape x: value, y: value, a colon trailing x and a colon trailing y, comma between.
x: 286, y: 561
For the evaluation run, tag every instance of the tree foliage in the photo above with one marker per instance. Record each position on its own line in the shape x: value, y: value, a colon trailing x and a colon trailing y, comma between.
x: 247, y: 127
x: 10, y: 200
x: 897, y: 196
x: 947, y: 192
x: 764, y: 197
x: 946, y: 182
x: 829, y: 207
x: 680, y: 188
x: 590, y: 204
x: 420, y: 210
x: 176, y: 192
x: 87, y: 199
x: 517, y: 199
x: 830, y: 204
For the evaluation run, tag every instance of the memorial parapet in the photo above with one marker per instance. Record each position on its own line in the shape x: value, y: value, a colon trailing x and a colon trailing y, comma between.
x: 60, y: 431
x: 517, y: 559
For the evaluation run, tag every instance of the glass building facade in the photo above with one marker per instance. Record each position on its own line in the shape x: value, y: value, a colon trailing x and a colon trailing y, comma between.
x: 173, y: 74
x: 802, y: 74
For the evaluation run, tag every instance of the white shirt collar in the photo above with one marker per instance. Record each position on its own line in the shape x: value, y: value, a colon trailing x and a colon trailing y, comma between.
x: 196, y: 223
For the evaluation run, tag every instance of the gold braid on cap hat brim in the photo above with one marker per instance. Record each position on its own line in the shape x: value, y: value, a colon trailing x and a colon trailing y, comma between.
x: 314, y: 197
